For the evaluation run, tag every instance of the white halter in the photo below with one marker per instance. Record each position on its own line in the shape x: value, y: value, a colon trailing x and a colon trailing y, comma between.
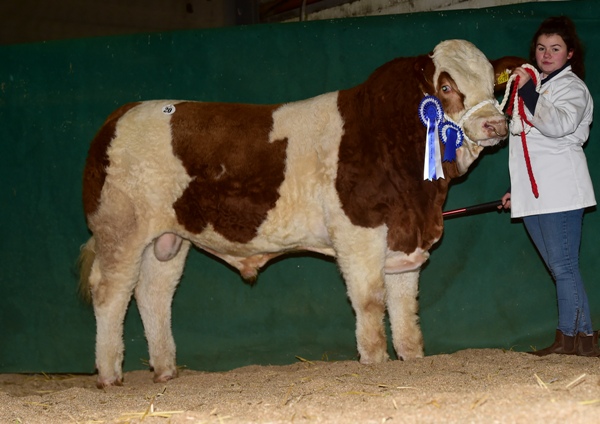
x: 515, y: 124
x: 469, y: 112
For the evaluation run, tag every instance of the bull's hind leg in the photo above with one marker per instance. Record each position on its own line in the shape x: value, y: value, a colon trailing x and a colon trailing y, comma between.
x: 111, y: 283
x: 402, y: 303
x: 361, y: 259
x: 119, y: 246
x: 154, y: 294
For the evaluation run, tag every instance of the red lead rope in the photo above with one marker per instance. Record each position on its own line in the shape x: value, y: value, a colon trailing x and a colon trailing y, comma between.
x: 524, y: 119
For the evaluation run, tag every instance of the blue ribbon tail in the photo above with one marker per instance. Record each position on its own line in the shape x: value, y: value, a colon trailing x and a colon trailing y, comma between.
x: 438, y: 156
x: 450, y: 149
x: 431, y: 140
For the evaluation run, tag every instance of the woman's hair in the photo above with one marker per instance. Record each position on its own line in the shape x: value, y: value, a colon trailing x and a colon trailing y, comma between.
x: 565, y: 28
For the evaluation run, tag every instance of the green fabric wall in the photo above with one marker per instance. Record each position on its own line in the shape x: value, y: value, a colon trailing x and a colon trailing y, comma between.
x: 483, y: 287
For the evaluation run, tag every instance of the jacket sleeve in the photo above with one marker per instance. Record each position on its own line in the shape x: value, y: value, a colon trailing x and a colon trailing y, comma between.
x: 561, y: 113
x: 529, y: 96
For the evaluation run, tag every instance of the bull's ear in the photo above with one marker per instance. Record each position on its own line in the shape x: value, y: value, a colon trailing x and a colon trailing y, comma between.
x: 503, y: 67
x: 424, y: 70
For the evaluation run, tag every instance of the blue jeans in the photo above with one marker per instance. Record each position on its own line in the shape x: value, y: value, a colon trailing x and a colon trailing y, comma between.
x: 557, y: 236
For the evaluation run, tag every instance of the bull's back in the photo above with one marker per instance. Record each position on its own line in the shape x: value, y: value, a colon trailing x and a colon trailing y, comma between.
x: 232, y: 168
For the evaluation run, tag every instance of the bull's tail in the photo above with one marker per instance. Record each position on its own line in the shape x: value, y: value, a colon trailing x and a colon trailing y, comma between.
x: 86, y: 260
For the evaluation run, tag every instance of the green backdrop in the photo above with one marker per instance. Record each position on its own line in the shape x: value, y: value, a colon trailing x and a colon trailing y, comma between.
x: 483, y: 287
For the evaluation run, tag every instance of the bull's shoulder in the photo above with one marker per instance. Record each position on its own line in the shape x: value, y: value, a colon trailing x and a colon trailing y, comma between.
x: 381, y: 155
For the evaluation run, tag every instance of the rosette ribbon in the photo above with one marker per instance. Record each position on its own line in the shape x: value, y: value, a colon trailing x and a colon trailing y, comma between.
x: 431, y: 115
x: 452, y: 137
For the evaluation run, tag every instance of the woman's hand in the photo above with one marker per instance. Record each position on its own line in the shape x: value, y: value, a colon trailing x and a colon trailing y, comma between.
x: 505, y: 202
x: 524, y: 76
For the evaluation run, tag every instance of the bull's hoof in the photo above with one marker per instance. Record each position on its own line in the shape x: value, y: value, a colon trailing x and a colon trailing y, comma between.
x: 165, y: 376
x: 103, y: 383
x: 407, y: 354
x: 374, y: 359
x: 410, y: 357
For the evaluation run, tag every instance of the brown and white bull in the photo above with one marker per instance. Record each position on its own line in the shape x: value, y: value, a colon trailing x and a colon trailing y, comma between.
x: 340, y: 174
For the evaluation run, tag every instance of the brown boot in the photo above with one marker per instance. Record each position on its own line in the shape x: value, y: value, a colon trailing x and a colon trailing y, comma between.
x: 588, y: 345
x: 564, y: 345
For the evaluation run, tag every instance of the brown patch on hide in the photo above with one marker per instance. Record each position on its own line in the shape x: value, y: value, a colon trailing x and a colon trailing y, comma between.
x: 424, y: 70
x: 97, y: 161
x: 380, y: 170
x: 236, y: 171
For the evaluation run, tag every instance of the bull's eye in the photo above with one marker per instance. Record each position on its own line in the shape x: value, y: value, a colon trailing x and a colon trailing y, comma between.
x: 446, y: 88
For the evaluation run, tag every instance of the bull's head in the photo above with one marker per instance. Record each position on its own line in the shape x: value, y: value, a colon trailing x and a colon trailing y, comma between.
x: 463, y: 79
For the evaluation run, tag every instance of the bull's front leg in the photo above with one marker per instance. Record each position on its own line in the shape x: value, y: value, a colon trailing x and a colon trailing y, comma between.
x: 361, y: 258
x: 403, y: 307
x: 367, y: 297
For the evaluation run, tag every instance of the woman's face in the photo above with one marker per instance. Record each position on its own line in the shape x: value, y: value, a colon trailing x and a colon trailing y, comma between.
x: 551, y: 53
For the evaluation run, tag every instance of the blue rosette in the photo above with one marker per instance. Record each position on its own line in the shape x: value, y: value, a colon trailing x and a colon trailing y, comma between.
x: 430, y: 110
x: 431, y: 115
x: 452, y: 136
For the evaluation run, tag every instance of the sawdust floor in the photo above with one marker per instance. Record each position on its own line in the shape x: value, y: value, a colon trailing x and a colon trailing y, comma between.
x: 478, y: 386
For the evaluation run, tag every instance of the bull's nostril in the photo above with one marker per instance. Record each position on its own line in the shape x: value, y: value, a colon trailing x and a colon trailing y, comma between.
x: 492, y: 128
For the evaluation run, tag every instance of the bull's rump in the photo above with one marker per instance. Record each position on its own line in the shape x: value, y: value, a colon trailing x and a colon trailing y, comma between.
x: 242, y: 179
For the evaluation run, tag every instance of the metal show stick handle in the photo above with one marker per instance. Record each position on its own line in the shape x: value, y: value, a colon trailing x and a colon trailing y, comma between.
x: 470, y: 210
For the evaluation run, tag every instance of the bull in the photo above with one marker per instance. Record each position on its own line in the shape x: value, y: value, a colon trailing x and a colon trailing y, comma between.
x: 341, y: 174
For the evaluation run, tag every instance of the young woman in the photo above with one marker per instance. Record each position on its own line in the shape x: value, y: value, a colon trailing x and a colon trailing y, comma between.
x: 551, y: 196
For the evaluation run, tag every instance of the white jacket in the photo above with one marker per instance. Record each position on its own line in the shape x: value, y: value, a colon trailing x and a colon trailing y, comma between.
x: 561, y: 125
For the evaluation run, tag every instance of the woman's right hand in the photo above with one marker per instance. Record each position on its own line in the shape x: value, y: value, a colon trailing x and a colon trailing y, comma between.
x: 523, y: 76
